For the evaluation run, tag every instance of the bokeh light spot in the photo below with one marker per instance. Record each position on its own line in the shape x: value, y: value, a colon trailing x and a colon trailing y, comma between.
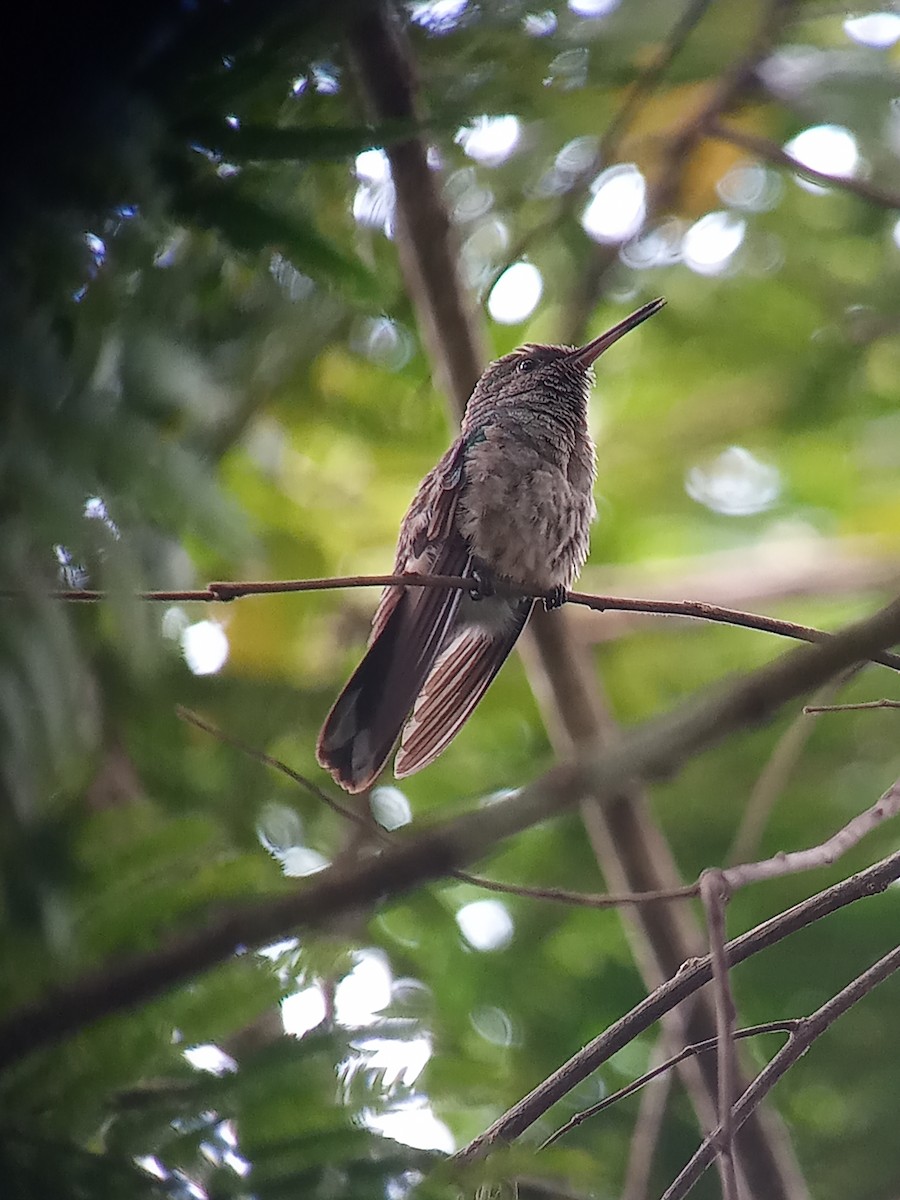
x: 205, y: 647
x: 734, y: 483
x: 709, y: 244
x: 616, y: 211
x: 390, y: 808
x: 209, y: 1057
x: 494, y: 1025
x: 365, y: 991
x: 438, y: 16
x: 373, y: 203
x: 516, y: 294
x: 303, y: 1011
x: 876, y: 29
x: 540, y: 24
x: 486, y: 924
x: 831, y: 149
x: 593, y: 9
x: 490, y: 140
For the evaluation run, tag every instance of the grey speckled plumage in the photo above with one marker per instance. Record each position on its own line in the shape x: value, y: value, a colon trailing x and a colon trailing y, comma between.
x: 510, y: 504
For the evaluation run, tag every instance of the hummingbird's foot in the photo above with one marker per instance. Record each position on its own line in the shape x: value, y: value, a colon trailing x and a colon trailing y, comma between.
x: 555, y: 598
x: 484, y: 584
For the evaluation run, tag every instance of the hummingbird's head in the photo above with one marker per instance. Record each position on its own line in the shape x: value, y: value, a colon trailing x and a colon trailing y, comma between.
x: 548, y: 375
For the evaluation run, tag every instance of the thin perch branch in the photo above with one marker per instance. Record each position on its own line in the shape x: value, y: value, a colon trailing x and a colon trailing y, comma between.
x: 222, y: 592
x: 825, y: 853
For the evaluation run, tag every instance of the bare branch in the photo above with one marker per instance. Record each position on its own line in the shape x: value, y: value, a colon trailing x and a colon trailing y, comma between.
x: 693, y: 975
x: 799, y: 1042
x: 714, y: 894
x: 221, y: 591
x: 659, y: 747
x: 583, y: 899
x: 228, y: 739
x: 648, y: 81
x: 822, y: 855
x: 831, y: 708
x: 787, y: 1026
x: 558, y: 895
x: 761, y: 147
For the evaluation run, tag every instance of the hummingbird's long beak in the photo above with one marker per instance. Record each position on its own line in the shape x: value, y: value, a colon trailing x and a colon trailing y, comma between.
x: 585, y: 355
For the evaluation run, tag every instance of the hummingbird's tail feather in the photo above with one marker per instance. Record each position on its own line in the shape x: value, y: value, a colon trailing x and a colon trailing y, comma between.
x: 459, y: 678
x: 365, y: 720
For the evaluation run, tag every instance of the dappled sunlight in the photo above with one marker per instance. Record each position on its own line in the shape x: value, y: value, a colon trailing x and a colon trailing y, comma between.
x: 210, y: 1058
x: 373, y: 203
x: 438, y: 16
x: 362, y: 994
x: 255, y: 262
x: 303, y: 1010
x: 387, y: 1066
x: 414, y: 1124
x: 593, y: 9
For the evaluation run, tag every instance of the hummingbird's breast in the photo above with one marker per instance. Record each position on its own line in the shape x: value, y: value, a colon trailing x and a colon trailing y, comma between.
x: 527, y: 504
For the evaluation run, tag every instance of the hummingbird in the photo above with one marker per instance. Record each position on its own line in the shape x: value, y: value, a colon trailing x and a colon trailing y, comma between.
x: 509, y: 506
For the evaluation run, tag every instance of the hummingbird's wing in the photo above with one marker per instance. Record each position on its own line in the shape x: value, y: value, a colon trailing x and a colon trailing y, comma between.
x: 408, y: 630
x: 462, y: 672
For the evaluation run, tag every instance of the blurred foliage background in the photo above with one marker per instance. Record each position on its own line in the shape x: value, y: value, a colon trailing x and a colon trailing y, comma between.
x: 210, y: 370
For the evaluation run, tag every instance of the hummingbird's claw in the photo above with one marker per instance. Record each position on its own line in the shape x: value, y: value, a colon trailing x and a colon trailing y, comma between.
x: 555, y: 598
x: 484, y: 585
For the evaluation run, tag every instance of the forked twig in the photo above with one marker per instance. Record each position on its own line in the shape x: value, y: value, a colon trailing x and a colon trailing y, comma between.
x: 786, y: 1026
x: 808, y: 1031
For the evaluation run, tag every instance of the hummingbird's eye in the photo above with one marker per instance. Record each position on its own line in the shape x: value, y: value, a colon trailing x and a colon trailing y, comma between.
x: 526, y: 364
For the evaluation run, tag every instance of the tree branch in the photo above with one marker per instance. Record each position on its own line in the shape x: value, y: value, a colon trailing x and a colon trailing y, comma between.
x: 693, y: 975
x: 787, y: 1026
x: 714, y: 894
x: 658, y: 748
x: 769, y: 151
x: 808, y: 1031
x: 224, y: 592
x: 822, y: 855
x: 809, y: 709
